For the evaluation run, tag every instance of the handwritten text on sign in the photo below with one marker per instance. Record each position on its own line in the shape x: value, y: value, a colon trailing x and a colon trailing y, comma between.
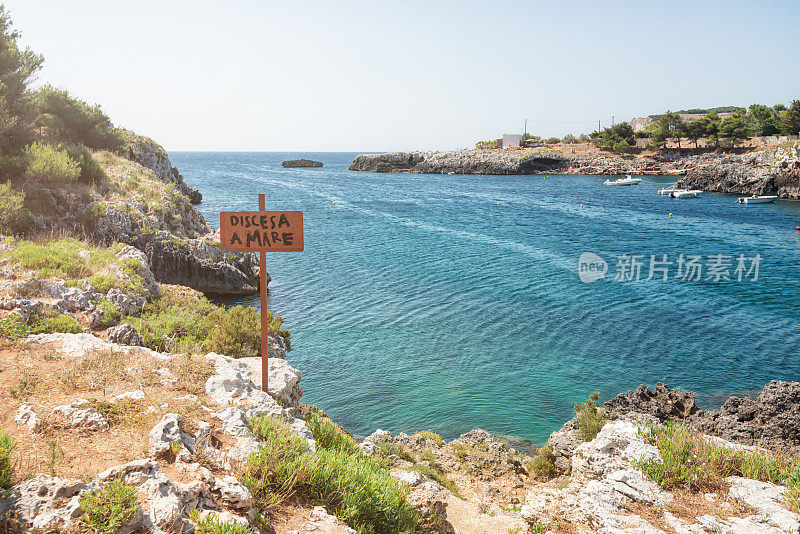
x: 261, y: 231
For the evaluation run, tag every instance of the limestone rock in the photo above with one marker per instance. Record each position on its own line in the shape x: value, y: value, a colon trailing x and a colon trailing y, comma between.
x: 321, y: 522
x: 167, y: 438
x: 234, y: 386
x: 45, y: 502
x: 199, y: 264
x: 84, y: 418
x: 487, y: 456
x: 126, y: 304
x: 124, y: 334
x: 79, y: 345
x: 135, y: 395
x: 284, y: 380
x: 27, y: 417
x: 276, y: 346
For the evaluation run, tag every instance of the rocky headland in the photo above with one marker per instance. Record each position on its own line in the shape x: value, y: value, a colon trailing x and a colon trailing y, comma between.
x: 768, y: 172
x: 771, y: 171
x: 146, y: 203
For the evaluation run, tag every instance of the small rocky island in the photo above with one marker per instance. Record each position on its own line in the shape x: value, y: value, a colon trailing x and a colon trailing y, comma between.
x: 301, y: 163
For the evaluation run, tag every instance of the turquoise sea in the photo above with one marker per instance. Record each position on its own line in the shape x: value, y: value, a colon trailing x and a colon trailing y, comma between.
x: 450, y: 302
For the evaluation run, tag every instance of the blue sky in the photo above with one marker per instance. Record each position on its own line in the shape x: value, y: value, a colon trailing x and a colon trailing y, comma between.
x: 373, y: 76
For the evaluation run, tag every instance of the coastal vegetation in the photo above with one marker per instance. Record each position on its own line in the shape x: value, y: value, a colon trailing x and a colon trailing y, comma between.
x: 352, y: 486
x: 739, y: 124
x: 589, y: 417
x: 692, y: 462
x: 188, y: 322
x: 7, y: 446
x: 106, y: 510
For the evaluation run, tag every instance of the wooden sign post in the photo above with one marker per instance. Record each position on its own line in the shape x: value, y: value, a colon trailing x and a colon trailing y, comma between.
x: 262, y: 231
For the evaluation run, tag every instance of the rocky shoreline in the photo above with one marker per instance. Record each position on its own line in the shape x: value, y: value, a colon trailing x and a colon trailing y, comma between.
x: 474, y: 484
x: 773, y: 171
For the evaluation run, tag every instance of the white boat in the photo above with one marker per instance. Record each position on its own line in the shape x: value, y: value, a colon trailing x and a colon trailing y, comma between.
x: 623, y: 181
x: 756, y: 199
x: 686, y: 193
x: 668, y: 190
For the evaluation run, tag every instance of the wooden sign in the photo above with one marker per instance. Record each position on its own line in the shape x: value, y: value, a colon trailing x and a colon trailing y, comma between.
x: 261, y: 231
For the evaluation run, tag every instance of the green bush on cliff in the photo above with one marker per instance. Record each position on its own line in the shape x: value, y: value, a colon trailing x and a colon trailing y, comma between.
x: 181, y: 322
x: 60, y: 323
x: 46, y: 163
x: 108, y: 509
x: 11, y: 206
x: 589, y: 418
x: 238, y: 333
x: 329, y: 435
x: 66, y: 118
x: 352, y: 486
x: 7, y: 446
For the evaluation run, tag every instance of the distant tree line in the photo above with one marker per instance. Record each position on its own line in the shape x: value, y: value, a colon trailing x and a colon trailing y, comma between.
x: 758, y: 120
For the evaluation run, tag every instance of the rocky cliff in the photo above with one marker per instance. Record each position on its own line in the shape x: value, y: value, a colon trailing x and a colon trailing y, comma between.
x: 150, y: 154
x: 144, y: 202
x: 768, y: 172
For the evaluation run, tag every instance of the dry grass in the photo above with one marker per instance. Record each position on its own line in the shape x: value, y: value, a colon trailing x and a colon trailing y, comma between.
x: 96, y: 377
x: 688, y: 506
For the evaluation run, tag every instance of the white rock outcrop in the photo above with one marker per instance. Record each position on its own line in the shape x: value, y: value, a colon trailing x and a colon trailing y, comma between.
x: 604, y: 479
x: 236, y: 386
x: 73, y: 416
x: 27, y: 417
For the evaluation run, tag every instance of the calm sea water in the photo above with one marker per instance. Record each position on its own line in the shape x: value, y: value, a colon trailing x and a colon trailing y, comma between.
x: 451, y: 302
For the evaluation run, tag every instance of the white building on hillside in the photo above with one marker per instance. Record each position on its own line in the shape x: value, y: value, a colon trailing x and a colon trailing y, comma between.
x: 512, y: 140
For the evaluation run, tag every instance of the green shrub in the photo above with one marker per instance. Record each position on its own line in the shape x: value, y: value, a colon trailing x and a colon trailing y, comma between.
x: 543, y: 464
x: 47, y: 163
x: 57, y: 258
x: 61, y: 323
x: 12, y: 203
x: 329, y: 435
x: 178, y: 322
x: 212, y: 525
x: 175, y: 322
x: 428, y: 434
x: 90, y: 171
x: 7, y: 446
x: 590, y: 419
x: 238, y: 333
x: 360, y: 493
x: 12, y: 328
x: 352, y: 486
x: 109, y: 508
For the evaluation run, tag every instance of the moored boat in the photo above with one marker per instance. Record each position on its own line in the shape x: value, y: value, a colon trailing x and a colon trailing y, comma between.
x: 686, y: 193
x: 623, y: 181
x: 757, y: 199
